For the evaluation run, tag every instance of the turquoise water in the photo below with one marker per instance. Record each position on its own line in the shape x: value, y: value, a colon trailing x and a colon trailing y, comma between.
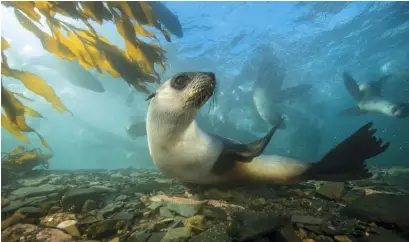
x: 317, y: 41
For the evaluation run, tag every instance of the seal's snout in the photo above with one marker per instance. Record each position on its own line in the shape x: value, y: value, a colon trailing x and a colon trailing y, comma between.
x: 211, y: 75
x: 402, y: 111
x: 208, y: 78
x: 201, y: 89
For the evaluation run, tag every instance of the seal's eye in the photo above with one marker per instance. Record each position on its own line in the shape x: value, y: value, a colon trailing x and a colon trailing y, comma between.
x: 394, y: 109
x: 180, y: 82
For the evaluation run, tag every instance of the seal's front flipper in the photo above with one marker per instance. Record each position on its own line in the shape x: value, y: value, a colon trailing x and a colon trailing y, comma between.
x: 352, y: 86
x: 291, y: 92
x: 355, y: 111
x: 237, y: 152
x: 280, y: 124
x: 376, y: 86
x: 346, y: 161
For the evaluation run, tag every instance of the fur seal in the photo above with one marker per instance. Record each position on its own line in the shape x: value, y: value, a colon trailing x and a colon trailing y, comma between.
x: 369, y: 98
x: 182, y: 150
x: 268, y: 92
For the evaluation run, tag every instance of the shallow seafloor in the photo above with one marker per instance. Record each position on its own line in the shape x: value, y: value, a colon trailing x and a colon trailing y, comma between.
x: 143, y: 205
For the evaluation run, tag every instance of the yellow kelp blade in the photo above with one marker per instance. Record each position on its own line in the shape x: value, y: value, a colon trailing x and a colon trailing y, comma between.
x: 48, y: 43
x: 142, y: 31
x: 10, y: 127
x: 96, y: 11
x: 15, y: 116
x: 37, y: 85
x: 68, y: 9
x: 129, y: 70
x: 14, y: 109
x: 153, y: 52
x: 4, y: 44
x: 32, y: 112
x: 78, y: 48
x: 141, y: 88
x: 22, y: 96
x: 147, y: 10
x: 127, y: 31
x: 42, y: 140
x: 135, y: 10
x: 27, y: 8
x: 97, y: 54
x: 26, y: 156
x: 45, y: 7
x: 19, y: 149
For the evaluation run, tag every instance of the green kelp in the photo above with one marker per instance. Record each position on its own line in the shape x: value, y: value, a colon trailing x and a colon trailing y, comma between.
x: 135, y: 64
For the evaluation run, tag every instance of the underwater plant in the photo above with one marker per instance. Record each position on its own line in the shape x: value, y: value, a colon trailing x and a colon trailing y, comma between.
x: 135, y: 65
x: 21, y: 161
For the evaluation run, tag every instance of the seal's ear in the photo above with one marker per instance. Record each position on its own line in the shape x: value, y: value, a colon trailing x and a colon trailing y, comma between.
x: 152, y: 95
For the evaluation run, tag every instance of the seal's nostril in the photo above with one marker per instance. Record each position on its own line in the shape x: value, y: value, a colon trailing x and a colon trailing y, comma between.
x: 212, y: 75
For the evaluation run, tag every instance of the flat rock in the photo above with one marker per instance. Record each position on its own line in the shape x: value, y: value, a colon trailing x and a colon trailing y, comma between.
x: 139, y: 236
x: 35, y: 191
x: 164, y: 212
x: 102, y: 229
x: 70, y: 226
x: 306, y: 219
x: 331, y: 190
x: 383, y: 235
x: 251, y: 226
x: 33, y: 181
x: 287, y: 234
x: 156, y: 237
x: 176, y: 235
x: 16, y: 204
x: 75, y: 198
x: 183, y: 209
x: 383, y: 208
x: 215, y: 233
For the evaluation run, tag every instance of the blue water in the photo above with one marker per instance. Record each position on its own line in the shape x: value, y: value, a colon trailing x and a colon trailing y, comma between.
x: 316, y: 40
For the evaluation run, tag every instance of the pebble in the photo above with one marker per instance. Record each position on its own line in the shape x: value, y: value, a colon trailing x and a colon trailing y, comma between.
x: 70, y: 226
x: 342, y: 238
x: 121, y: 198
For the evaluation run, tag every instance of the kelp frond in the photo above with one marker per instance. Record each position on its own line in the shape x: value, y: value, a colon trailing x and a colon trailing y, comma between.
x: 135, y: 64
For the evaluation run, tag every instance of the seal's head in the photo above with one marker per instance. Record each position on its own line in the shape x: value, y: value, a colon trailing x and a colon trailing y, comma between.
x: 400, y: 110
x: 185, y: 92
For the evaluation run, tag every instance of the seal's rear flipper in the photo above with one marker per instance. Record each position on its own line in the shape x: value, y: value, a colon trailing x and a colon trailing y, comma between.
x: 352, y: 86
x: 376, y: 86
x: 291, y: 92
x: 346, y: 161
x: 355, y: 111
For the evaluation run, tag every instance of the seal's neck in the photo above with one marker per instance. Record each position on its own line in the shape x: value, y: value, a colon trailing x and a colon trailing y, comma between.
x: 168, y: 127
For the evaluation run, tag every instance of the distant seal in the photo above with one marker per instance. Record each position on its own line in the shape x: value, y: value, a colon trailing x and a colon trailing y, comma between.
x: 369, y: 98
x: 182, y: 150
x: 268, y: 94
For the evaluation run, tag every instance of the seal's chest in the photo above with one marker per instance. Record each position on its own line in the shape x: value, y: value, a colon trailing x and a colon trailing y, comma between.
x: 186, y: 163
